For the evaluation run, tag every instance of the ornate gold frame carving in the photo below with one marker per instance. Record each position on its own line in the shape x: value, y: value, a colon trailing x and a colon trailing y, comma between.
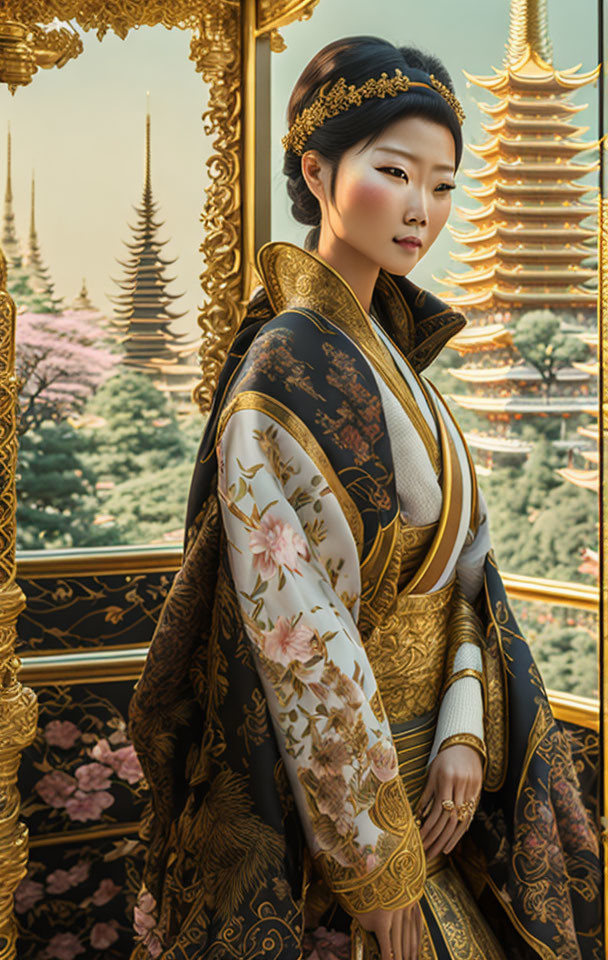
x: 18, y: 705
x: 223, y: 51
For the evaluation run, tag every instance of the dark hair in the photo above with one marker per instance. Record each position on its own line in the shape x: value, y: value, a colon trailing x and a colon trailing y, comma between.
x: 357, y: 59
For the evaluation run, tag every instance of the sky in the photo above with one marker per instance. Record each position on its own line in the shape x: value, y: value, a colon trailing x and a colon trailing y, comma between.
x: 81, y: 129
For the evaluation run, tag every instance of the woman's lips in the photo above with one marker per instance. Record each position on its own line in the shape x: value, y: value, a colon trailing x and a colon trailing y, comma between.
x: 410, y: 243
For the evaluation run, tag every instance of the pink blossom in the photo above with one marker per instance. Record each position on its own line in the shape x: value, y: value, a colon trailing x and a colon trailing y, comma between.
x: 55, y: 788
x: 88, y: 806
x: 329, y: 757
x: 80, y: 871
x: 286, y: 642
x: 104, y: 935
x: 61, y: 733
x: 58, y: 881
x: 61, y: 363
x: 146, y: 901
x: 106, y: 890
x: 383, y: 758
x: 127, y: 765
x: 93, y: 776
x: 143, y: 922
x: 27, y: 894
x: 276, y: 543
x: 153, y: 944
x: 124, y: 761
x: 327, y: 944
x: 102, y: 751
x: 371, y: 862
x: 64, y: 946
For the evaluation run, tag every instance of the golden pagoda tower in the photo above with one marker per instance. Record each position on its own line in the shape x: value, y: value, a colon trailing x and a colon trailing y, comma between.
x: 142, y: 317
x: 528, y: 239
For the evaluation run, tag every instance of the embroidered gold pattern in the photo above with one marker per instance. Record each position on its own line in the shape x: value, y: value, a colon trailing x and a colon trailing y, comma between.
x: 496, y: 727
x: 252, y: 400
x: 407, y: 652
x: 400, y: 878
x: 459, y: 919
x: 296, y: 278
x: 468, y: 672
x: 342, y: 96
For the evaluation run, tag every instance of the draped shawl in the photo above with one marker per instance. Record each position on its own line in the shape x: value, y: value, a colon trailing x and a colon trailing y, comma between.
x: 227, y: 871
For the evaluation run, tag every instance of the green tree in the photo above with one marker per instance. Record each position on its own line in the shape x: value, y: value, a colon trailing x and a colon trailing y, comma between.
x: 136, y: 429
x: 541, y: 339
x: 142, y: 458
x: 56, y: 502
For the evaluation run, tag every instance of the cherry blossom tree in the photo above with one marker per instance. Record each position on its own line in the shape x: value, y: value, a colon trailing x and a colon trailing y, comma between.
x: 61, y: 361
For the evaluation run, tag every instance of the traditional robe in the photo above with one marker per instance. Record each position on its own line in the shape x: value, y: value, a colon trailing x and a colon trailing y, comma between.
x: 269, y: 707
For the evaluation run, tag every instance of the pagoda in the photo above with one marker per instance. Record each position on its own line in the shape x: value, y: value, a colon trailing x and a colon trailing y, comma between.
x: 37, y: 272
x: 589, y: 475
x: 528, y: 241
x: 10, y: 243
x: 29, y: 281
x: 142, y: 318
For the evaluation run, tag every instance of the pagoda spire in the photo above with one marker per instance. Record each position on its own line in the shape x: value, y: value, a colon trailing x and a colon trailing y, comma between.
x: 528, y: 29
x: 142, y: 316
x: 38, y: 273
x: 10, y: 243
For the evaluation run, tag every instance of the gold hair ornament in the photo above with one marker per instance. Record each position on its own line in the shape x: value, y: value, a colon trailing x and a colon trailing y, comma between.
x: 341, y: 97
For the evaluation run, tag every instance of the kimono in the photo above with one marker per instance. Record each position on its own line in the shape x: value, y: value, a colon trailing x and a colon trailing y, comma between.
x: 339, y: 617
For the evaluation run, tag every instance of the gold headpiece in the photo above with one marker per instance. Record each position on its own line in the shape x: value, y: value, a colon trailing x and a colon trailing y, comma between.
x: 342, y: 97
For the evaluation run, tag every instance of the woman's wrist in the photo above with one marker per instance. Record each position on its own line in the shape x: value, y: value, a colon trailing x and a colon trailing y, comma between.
x: 466, y: 740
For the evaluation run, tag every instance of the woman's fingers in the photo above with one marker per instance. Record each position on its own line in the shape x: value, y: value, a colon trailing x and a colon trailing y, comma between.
x: 383, y: 933
x: 397, y: 935
x: 412, y: 924
x: 427, y: 796
x: 442, y: 839
x: 406, y: 935
x: 458, y: 833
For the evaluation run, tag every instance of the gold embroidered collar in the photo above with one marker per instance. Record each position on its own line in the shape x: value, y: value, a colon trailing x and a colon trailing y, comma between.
x: 418, y: 322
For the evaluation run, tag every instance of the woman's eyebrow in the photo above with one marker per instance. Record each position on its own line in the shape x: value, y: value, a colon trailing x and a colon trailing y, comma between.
x: 412, y: 156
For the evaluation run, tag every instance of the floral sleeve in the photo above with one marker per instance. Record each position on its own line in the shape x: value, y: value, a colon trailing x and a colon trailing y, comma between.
x: 295, y: 567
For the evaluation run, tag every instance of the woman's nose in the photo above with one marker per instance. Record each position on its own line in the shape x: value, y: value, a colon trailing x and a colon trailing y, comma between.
x: 416, y: 211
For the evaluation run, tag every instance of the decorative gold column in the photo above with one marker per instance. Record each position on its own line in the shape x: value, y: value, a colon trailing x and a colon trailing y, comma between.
x: 18, y: 705
x: 224, y: 52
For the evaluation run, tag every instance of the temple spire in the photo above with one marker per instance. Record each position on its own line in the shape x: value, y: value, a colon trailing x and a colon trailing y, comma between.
x: 10, y: 243
x: 147, y: 176
x: 142, y: 316
x: 37, y: 271
x: 528, y: 29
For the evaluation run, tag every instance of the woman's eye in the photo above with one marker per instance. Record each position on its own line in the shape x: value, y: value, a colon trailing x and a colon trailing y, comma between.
x: 446, y: 186
x: 396, y: 170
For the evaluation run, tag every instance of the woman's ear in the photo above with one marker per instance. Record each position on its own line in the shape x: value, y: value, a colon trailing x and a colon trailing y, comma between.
x: 315, y: 173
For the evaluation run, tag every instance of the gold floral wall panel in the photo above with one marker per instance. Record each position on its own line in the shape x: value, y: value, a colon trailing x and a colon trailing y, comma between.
x: 83, y: 793
x: 73, y: 612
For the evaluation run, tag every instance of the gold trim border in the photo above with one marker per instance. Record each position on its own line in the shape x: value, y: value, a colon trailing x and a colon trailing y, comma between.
x: 98, y: 667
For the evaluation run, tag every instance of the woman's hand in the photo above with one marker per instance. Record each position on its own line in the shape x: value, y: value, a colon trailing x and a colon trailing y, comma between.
x: 398, y: 932
x: 455, y: 774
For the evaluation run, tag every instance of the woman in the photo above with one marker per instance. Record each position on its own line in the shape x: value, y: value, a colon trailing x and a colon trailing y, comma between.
x: 348, y: 746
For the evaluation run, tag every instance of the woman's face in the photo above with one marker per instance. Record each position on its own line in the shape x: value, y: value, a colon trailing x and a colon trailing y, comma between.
x: 397, y: 188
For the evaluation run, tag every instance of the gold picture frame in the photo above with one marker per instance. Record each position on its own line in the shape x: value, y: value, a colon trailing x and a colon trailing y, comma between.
x: 232, y: 42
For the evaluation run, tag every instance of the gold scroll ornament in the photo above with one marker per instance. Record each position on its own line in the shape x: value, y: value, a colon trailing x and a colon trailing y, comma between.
x: 18, y: 705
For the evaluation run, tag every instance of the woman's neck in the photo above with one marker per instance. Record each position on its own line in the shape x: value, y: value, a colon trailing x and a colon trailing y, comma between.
x: 359, y: 272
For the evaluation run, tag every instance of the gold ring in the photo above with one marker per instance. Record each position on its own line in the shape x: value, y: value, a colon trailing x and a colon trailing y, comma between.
x: 448, y: 805
x: 466, y: 809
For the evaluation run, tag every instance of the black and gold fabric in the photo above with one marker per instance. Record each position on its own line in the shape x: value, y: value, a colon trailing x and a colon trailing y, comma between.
x: 226, y: 863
